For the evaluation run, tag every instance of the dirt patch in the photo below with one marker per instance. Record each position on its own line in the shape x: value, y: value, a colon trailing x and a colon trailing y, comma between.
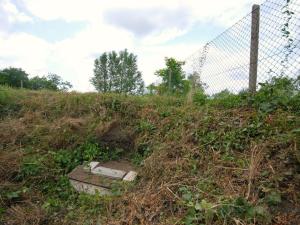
x: 112, y: 135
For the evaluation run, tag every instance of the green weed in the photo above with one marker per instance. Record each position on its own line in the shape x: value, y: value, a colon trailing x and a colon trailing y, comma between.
x: 202, y: 211
x: 146, y: 126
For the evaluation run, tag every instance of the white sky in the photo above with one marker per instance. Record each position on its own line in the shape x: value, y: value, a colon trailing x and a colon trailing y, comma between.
x: 65, y: 36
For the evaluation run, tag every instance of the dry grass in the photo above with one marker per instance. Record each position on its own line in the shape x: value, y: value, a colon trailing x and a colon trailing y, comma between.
x: 25, y: 214
x: 186, y: 150
x: 254, y: 167
x: 10, y: 163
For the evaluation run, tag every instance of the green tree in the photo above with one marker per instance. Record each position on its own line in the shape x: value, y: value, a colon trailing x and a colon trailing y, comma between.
x: 130, y: 77
x: 14, y: 77
x: 173, y: 77
x: 59, y: 82
x: 195, y: 82
x: 119, y: 73
x: 101, y: 80
x: 152, y: 89
x: 50, y: 82
x: 38, y: 83
x: 196, y: 93
x: 114, y: 70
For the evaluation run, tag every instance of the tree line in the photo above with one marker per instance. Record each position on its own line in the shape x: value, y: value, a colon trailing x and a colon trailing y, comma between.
x: 114, y: 72
x: 118, y: 72
x: 18, y: 78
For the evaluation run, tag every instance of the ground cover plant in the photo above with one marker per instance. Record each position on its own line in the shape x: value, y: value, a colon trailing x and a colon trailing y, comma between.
x: 224, y: 159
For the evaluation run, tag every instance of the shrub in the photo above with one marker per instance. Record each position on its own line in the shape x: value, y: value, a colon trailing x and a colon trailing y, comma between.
x: 278, y: 92
x: 199, y: 98
x: 226, y: 99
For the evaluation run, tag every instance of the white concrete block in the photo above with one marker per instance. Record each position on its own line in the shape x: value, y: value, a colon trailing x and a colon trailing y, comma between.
x: 100, y: 170
x: 130, y: 176
x: 89, y: 188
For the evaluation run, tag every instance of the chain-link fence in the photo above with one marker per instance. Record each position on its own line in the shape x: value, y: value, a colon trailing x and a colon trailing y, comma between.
x: 224, y: 62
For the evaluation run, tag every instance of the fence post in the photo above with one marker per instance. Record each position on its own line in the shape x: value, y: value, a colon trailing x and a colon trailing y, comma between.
x: 254, y: 48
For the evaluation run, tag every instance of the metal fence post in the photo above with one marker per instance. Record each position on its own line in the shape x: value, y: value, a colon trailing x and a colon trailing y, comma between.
x: 254, y: 48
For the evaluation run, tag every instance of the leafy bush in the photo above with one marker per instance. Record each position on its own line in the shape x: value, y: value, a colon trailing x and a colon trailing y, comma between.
x: 226, y: 99
x: 199, y: 98
x: 69, y: 159
x: 278, y: 92
x: 31, y: 166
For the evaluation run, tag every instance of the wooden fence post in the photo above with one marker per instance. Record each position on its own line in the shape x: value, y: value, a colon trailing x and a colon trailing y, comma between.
x: 254, y: 48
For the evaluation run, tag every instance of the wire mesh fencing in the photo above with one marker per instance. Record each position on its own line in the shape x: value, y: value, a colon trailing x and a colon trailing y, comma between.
x: 224, y: 62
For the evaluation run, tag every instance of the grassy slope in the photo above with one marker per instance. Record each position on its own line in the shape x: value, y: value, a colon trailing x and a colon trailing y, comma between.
x: 197, y: 165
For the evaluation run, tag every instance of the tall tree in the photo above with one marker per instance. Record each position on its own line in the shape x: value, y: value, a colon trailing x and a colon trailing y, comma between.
x: 119, y: 73
x: 114, y: 71
x: 173, y: 77
x: 14, y: 77
x: 101, y: 80
x: 131, y: 78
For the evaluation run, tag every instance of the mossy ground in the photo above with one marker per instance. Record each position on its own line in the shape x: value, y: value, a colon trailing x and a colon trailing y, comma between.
x: 224, y: 162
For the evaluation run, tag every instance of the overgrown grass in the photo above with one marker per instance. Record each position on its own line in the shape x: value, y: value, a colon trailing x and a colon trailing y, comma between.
x: 225, y: 159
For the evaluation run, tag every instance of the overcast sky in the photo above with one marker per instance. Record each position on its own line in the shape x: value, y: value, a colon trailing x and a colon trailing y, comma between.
x: 65, y: 36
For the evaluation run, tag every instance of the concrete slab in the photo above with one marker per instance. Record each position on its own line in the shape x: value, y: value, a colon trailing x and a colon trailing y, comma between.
x: 118, y: 165
x: 81, y: 175
x: 100, y: 176
x: 89, y: 188
x: 130, y: 176
x: 108, y: 172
